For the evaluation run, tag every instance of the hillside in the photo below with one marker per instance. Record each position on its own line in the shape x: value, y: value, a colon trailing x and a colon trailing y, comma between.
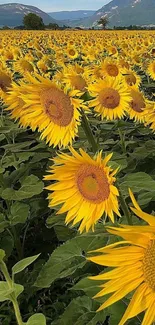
x: 71, y: 15
x: 123, y: 13
x: 12, y: 14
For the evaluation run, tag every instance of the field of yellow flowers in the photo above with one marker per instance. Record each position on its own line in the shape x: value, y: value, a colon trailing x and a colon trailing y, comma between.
x: 77, y: 177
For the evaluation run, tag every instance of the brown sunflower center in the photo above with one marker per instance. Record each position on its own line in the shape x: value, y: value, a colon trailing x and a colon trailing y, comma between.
x: 149, y: 265
x: 78, y: 82
x: 112, y: 70
x: 5, y: 81
x: 71, y: 52
x: 57, y: 106
x: 109, y: 98
x: 137, y: 103
x: 130, y: 79
x: 93, y: 183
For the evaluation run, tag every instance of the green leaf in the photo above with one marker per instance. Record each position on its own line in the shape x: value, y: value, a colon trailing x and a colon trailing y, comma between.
x: 30, y: 186
x: 21, y: 265
x: 88, y: 286
x: 137, y: 182
x: 55, y: 220
x: 3, y: 222
x: 16, y: 147
x: 146, y: 197
x: 37, y: 319
x: 18, y: 289
x: 81, y: 311
x: 19, y: 213
x: 6, y: 291
x: 69, y: 257
x: 2, y: 254
x: 7, y: 243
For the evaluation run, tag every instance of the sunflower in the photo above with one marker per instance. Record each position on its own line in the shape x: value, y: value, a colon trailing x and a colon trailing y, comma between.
x: 151, y: 69
x: 13, y: 101
x: 112, y: 98
x: 84, y: 186
x: 23, y: 66
x: 5, y: 82
x: 110, y: 68
x: 49, y: 109
x: 134, y: 268
x: 42, y: 66
x: 71, y: 52
x: 74, y: 79
x: 150, y: 118
x: 131, y: 78
x: 139, y: 106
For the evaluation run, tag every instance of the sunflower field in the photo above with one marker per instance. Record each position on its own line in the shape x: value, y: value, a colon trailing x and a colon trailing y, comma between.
x: 77, y: 177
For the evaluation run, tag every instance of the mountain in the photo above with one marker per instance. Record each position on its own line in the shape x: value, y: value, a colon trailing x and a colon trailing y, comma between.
x: 11, y: 14
x: 123, y: 13
x: 71, y: 15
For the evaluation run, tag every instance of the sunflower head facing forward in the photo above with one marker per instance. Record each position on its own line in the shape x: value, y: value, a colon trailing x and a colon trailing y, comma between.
x: 112, y: 98
x: 84, y: 186
x: 50, y: 109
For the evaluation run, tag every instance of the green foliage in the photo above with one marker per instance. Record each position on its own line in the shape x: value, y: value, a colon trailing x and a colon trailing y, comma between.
x: 32, y: 21
x: 37, y: 319
x: 6, y: 291
x: 21, y: 265
x: 69, y: 257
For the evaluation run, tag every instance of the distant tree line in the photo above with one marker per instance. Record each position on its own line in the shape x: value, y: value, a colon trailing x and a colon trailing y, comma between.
x: 134, y: 27
x: 33, y: 22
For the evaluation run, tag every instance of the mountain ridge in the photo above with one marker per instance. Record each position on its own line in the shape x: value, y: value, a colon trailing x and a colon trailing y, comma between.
x: 71, y: 15
x: 123, y: 13
x: 12, y: 14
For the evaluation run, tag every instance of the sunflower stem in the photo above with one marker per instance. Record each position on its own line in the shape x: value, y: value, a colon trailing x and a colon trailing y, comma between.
x: 124, y: 207
x: 88, y: 132
x: 122, y: 139
x: 13, y: 296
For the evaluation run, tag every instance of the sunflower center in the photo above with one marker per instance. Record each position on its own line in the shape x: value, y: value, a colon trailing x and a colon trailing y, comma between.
x: 137, y: 102
x: 71, y: 52
x: 109, y: 98
x: 78, y: 82
x: 149, y: 265
x: 5, y: 81
x: 130, y: 79
x: 93, y: 183
x: 57, y: 106
x: 112, y: 70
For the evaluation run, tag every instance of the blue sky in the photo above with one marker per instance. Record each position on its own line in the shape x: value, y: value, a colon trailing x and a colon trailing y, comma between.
x: 58, y: 5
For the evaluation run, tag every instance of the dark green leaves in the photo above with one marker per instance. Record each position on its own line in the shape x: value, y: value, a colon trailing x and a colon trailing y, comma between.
x: 70, y: 257
x: 30, y: 186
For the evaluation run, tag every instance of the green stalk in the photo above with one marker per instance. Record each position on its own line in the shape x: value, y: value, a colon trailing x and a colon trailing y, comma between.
x: 88, y: 132
x: 13, y: 297
x: 125, y: 207
x: 17, y: 243
x: 122, y: 140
